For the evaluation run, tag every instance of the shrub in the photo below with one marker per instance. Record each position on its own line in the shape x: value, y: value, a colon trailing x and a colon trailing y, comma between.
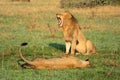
x: 87, y: 3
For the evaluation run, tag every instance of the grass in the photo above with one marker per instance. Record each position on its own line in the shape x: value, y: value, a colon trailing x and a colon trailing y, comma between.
x: 28, y: 22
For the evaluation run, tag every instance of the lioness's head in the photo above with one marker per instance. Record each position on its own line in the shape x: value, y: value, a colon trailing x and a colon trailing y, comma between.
x: 62, y: 17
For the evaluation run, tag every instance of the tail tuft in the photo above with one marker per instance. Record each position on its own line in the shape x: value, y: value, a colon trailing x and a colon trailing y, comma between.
x: 24, y: 44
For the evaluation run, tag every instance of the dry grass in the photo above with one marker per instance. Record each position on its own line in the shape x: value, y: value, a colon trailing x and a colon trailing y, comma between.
x: 42, y: 9
x: 6, y: 35
x: 15, y: 8
x: 100, y: 11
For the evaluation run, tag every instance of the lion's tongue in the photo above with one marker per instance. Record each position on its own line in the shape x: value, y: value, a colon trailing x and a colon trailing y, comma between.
x: 59, y: 21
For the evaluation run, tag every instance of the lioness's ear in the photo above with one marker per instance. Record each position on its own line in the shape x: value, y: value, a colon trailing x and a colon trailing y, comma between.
x: 87, y: 60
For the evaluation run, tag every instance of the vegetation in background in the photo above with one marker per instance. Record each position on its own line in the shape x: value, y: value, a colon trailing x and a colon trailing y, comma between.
x: 87, y: 3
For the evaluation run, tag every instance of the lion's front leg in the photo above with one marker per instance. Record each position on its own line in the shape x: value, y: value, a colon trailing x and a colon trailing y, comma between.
x: 73, y: 47
x: 68, y: 45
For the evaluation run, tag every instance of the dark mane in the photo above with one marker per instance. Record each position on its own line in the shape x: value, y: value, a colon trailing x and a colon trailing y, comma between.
x: 74, y: 19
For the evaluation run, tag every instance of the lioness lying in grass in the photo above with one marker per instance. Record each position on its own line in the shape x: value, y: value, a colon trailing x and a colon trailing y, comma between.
x: 54, y: 63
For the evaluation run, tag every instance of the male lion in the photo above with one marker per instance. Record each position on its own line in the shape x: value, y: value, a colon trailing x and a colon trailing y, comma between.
x: 54, y: 63
x: 73, y: 36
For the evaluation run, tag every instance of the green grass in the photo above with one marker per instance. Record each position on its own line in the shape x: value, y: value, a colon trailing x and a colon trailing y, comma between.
x: 27, y: 22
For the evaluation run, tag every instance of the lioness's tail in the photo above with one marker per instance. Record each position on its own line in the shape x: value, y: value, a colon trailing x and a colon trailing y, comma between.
x: 20, y: 54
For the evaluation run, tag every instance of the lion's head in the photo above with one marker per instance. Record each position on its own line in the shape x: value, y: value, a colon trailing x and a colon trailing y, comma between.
x: 64, y: 17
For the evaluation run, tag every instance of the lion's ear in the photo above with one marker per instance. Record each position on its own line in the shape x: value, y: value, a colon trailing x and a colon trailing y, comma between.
x: 68, y: 14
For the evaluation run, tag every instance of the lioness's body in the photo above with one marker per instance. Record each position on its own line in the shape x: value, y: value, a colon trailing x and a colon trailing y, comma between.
x: 55, y: 63
x: 73, y: 36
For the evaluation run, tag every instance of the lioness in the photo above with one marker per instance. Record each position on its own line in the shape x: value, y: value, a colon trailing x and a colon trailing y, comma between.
x: 54, y: 63
x: 73, y: 36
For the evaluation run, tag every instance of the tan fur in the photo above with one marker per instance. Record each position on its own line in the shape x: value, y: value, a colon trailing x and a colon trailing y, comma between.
x: 73, y: 36
x: 55, y: 63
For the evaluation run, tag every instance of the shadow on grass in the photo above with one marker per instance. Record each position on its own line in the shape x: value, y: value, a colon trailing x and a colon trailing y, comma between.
x: 58, y: 46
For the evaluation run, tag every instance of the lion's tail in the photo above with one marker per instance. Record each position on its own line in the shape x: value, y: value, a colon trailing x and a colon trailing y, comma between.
x: 21, y: 56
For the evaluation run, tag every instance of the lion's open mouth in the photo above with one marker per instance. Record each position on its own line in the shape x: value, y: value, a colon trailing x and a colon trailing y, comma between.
x: 59, y: 21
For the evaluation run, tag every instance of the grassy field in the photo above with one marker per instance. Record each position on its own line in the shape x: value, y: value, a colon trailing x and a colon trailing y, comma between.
x: 28, y: 22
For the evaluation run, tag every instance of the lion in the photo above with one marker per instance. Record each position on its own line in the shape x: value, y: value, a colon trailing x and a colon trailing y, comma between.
x: 54, y: 63
x: 73, y: 36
